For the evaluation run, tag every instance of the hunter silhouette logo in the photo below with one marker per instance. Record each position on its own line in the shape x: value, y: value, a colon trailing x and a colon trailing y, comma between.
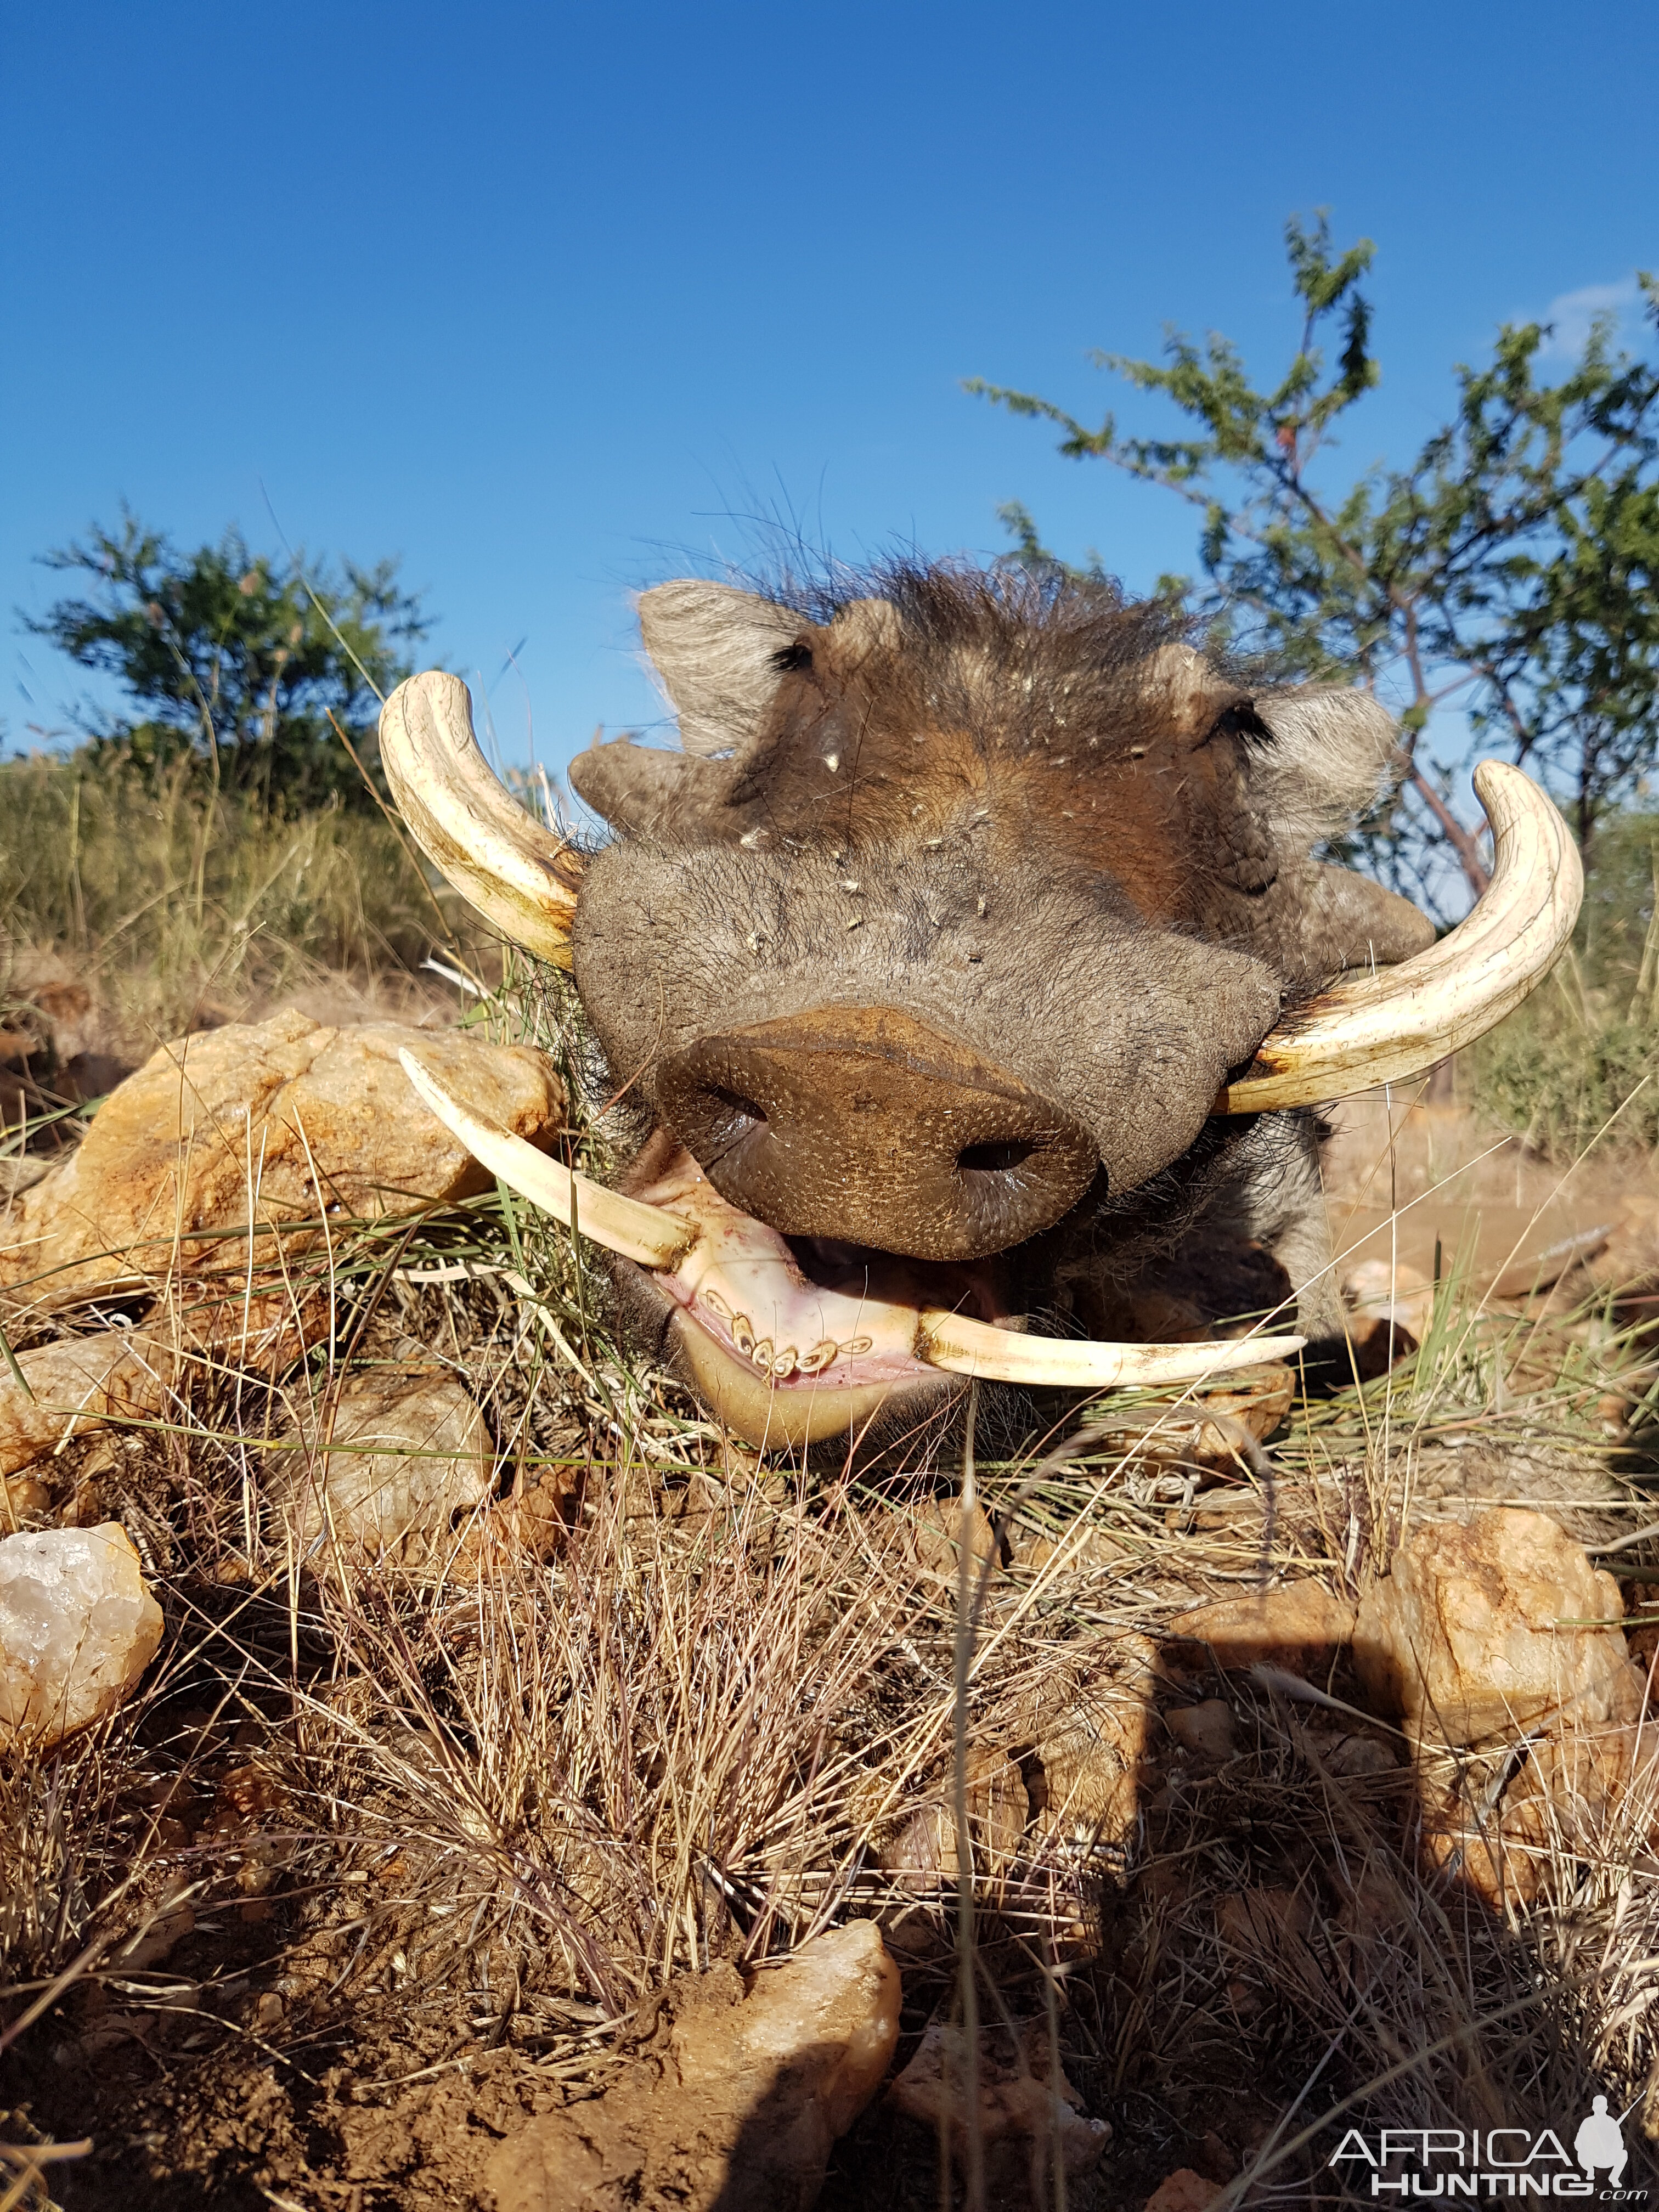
x: 1488, y: 2162
x: 1601, y: 2141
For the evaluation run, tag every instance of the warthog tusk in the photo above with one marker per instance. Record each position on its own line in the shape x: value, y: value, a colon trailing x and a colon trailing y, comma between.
x: 1379, y: 1028
x: 516, y: 873
x: 657, y: 1238
x: 998, y: 1355
x: 649, y: 1234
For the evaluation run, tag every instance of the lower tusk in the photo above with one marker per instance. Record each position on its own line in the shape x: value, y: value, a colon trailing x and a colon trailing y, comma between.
x: 998, y: 1355
x: 648, y: 1234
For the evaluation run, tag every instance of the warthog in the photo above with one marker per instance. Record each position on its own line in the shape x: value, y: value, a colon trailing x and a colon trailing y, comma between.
x: 973, y: 961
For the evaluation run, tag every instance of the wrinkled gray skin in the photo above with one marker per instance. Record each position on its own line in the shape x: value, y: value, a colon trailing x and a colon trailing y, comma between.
x: 1076, y: 849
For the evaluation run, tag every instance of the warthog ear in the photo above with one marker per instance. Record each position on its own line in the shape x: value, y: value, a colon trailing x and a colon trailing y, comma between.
x: 1333, y: 752
x: 715, y: 652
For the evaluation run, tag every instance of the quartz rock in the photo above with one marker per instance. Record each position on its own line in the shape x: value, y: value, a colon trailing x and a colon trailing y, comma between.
x: 78, y: 1626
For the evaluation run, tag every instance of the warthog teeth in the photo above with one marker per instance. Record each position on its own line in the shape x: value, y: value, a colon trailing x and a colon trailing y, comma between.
x: 1385, y: 1026
x: 658, y: 1239
x: 462, y: 815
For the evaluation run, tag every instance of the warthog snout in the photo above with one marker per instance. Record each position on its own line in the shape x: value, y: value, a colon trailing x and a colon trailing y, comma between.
x: 866, y: 1126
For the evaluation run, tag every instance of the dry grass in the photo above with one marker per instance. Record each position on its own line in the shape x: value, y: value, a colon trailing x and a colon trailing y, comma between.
x: 459, y: 1830
x: 177, y: 905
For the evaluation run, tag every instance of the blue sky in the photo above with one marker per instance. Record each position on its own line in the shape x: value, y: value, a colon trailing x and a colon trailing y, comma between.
x: 545, y: 299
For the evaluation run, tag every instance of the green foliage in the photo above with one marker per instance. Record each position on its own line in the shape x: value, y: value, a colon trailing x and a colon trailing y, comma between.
x: 237, y: 661
x: 1512, y: 567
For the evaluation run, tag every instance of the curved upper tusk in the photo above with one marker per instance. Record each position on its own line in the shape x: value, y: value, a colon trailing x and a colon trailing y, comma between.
x: 998, y: 1355
x: 649, y: 1234
x: 1396, y: 1022
x: 516, y: 873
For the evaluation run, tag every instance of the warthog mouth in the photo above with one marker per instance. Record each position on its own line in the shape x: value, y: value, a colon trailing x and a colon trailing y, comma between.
x: 790, y: 1340
x: 874, y: 1326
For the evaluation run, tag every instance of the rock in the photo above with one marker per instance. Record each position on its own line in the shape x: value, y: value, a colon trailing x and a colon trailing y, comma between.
x: 272, y: 1122
x: 50, y: 1031
x: 998, y: 1808
x: 1220, y: 1429
x: 1027, y: 2110
x: 1499, y: 1645
x: 78, y: 1626
x: 738, y: 2101
x: 386, y: 1471
x: 1390, y: 1305
x: 154, y: 1944
x: 22, y: 1498
x: 1299, y: 1626
x: 1487, y: 1627
x: 1090, y: 1742
x: 924, y: 1539
x: 1183, y: 2190
x: 79, y: 1383
x: 1206, y: 1730
x: 1543, y: 1270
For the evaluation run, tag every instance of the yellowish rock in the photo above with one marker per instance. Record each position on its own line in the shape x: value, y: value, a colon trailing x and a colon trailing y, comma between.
x: 1299, y: 1626
x: 1092, y: 1744
x: 1488, y: 1626
x: 80, y: 1383
x: 1205, y: 1730
x: 997, y: 1806
x: 271, y: 1123
x: 1184, y: 2190
x: 384, y: 1472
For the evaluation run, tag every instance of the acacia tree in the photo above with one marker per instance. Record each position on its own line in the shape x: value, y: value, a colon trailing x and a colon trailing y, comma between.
x: 1512, y: 568
x: 238, y: 659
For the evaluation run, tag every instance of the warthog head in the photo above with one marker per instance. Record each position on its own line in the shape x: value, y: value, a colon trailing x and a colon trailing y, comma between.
x: 970, y: 952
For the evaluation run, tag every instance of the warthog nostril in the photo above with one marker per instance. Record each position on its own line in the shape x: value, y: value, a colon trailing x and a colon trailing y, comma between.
x: 861, y: 1124
x: 994, y: 1158
x: 744, y: 1113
